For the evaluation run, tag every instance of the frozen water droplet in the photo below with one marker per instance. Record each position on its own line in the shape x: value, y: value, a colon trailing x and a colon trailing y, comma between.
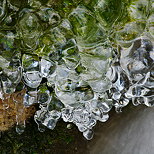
x: 88, y: 134
x: 81, y: 127
x: 135, y: 101
x: 118, y: 109
x: 44, y: 97
x: 30, y: 98
x: 20, y: 128
x: 50, y: 123
x: 32, y: 79
x: 67, y: 114
x: 47, y: 67
x: 104, y: 118
x: 32, y: 75
x: 41, y: 127
x: 149, y: 101
x: 7, y: 85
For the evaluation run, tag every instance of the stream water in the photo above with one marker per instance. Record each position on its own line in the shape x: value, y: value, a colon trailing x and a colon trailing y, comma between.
x: 129, y: 132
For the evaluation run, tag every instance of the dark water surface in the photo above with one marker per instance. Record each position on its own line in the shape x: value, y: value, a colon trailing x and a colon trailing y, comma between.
x: 130, y: 132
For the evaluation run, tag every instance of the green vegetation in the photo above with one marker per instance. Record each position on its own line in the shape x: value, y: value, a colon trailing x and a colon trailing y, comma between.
x: 34, y: 142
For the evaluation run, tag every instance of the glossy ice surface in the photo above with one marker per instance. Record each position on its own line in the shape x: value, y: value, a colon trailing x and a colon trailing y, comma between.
x: 77, y: 59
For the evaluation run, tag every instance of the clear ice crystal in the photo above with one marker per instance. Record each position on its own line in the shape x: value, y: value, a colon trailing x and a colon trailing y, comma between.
x: 32, y: 79
x: 32, y: 75
x: 67, y: 114
x: 20, y: 128
x: 30, y: 97
x: 44, y: 97
x: 88, y: 134
x: 47, y: 118
x: 47, y: 67
x: 77, y: 64
x: 7, y: 84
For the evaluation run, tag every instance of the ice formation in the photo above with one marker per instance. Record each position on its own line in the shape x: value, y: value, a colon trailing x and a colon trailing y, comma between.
x: 78, y: 62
